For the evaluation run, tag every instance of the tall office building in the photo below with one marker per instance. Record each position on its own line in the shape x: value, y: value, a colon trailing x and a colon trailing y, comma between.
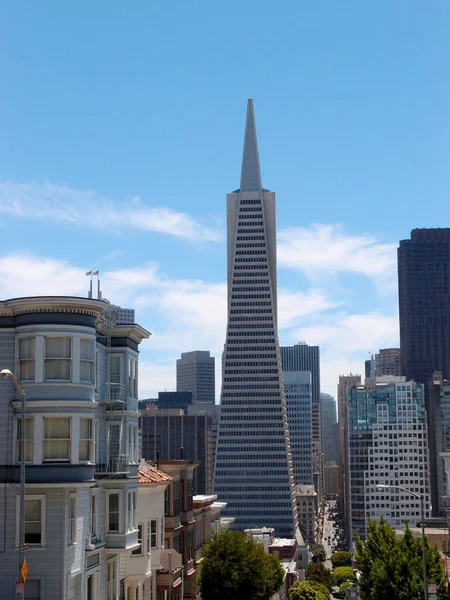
x: 302, y: 357
x: 424, y: 303
x: 329, y: 429
x: 253, y: 467
x: 196, y: 373
x: 387, y: 445
x: 387, y: 362
x: 175, y: 400
x: 345, y: 382
x: 297, y: 389
x: 178, y: 437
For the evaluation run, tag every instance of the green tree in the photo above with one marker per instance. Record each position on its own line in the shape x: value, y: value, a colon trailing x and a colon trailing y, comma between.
x: 304, y: 590
x: 391, y: 568
x: 319, y: 587
x: 341, y: 574
x: 319, y: 572
x: 341, y: 559
x: 236, y: 566
x: 318, y: 553
x: 347, y: 585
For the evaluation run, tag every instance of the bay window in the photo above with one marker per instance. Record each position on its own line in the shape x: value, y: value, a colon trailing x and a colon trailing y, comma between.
x: 114, y: 377
x: 56, y: 439
x: 132, y: 377
x: 86, y: 452
x: 26, y: 359
x: 87, y: 361
x: 29, y: 423
x: 132, y: 444
x: 58, y: 358
x: 138, y: 551
x: 72, y: 519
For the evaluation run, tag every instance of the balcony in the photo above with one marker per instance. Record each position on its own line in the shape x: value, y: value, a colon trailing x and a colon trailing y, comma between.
x: 172, y: 522
x: 187, y: 516
x: 122, y: 541
x: 116, y: 467
x: 116, y: 396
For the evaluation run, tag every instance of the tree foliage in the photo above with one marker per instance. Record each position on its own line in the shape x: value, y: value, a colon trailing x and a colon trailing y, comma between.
x: 318, y: 553
x: 341, y: 559
x: 392, y: 568
x: 347, y: 585
x: 341, y: 574
x: 236, y: 566
x: 319, y: 572
x: 305, y: 590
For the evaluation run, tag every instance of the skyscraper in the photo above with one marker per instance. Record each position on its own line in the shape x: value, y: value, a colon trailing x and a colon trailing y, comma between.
x: 297, y: 389
x: 424, y: 303
x: 253, y: 467
x: 196, y: 373
x: 301, y: 357
x: 329, y: 429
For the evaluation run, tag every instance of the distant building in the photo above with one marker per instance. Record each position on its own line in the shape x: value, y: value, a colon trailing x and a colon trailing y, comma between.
x: 345, y: 382
x: 124, y: 316
x: 175, y: 400
x: 302, y: 357
x: 388, y: 362
x: 297, y: 390
x: 424, y: 306
x: 307, y: 506
x: 196, y: 373
x: 329, y: 429
x: 330, y: 479
x: 179, y: 437
x: 387, y: 444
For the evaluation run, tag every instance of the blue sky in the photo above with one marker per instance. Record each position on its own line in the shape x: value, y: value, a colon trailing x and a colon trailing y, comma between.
x: 121, y: 132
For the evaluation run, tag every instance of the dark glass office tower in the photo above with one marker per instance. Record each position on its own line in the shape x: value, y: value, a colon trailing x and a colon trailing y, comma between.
x: 424, y: 303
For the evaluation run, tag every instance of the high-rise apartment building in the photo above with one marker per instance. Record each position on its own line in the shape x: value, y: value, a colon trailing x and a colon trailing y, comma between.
x: 329, y: 429
x: 196, y: 373
x: 301, y: 357
x: 387, y: 437
x: 345, y: 382
x: 297, y: 390
x: 424, y: 303
x: 253, y: 467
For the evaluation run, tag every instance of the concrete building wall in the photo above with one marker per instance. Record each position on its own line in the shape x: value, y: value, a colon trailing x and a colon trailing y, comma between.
x: 196, y: 373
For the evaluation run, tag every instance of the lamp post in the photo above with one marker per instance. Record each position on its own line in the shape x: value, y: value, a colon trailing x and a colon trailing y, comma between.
x: 6, y: 373
x: 422, y: 512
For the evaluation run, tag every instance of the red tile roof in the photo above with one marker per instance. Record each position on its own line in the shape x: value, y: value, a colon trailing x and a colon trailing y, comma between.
x: 152, y: 475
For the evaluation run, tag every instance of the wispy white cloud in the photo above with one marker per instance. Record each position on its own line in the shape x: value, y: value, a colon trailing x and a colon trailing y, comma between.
x: 326, y: 250
x: 51, y: 202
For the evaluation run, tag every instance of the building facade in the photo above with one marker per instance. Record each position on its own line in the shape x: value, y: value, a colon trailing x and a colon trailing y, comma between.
x: 345, y: 382
x: 387, y: 446
x: 307, y: 506
x: 175, y: 400
x: 253, y: 467
x: 297, y: 389
x: 329, y: 429
x: 424, y: 292
x: 183, y: 436
x: 79, y: 372
x: 196, y: 373
x: 388, y: 362
x: 301, y: 357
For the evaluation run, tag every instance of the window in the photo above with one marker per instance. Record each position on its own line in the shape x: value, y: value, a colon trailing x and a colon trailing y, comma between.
x: 87, y: 440
x: 112, y: 579
x: 72, y: 519
x: 153, y: 536
x: 87, y: 361
x: 166, y: 500
x: 138, y: 551
x: 26, y: 359
x: 132, y: 444
x: 131, y: 517
x: 34, y: 520
x: 58, y: 355
x: 92, y: 587
x: 132, y: 378
x: 114, y: 377
x: 93, y: 515
x: 113, y: 511
x: 56, y: 439
x: 28, y: 440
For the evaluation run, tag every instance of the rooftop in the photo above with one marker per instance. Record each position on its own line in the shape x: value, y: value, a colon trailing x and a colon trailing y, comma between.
x: 152, y: 475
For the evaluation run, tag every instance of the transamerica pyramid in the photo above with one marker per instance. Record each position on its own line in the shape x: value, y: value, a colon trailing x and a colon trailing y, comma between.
x: 253, y: 467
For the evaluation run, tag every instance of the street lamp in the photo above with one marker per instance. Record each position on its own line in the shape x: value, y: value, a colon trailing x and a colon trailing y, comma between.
x: 424, y: 558
x: 6, y: 373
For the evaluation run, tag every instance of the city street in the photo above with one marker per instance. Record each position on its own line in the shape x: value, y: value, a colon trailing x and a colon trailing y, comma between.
x: 328, y: 533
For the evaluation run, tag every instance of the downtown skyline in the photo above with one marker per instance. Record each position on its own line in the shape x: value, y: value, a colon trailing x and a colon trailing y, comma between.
x: 90, y: 180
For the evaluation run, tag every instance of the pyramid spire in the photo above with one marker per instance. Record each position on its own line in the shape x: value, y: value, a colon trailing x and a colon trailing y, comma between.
x: 250, y: 173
